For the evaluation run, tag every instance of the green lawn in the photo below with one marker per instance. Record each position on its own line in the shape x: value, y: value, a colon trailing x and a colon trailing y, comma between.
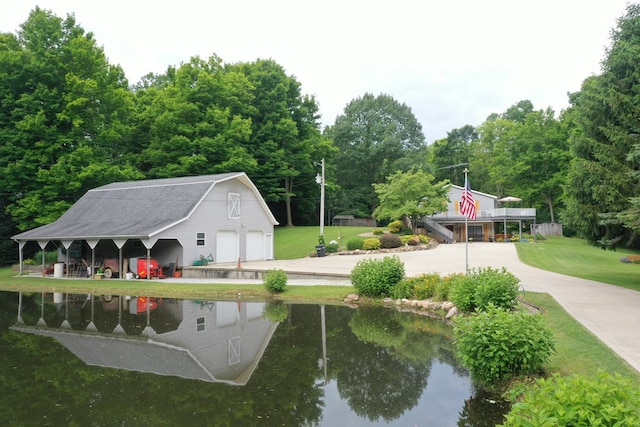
x: 578, y: 351
x: 574, y: 257
x: 299, y: 242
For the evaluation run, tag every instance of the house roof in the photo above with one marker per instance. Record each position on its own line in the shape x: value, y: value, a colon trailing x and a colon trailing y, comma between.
x: 135, y: 209
x: 474, y: 191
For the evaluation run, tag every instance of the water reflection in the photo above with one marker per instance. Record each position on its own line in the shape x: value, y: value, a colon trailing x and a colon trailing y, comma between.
x: 73, y: 358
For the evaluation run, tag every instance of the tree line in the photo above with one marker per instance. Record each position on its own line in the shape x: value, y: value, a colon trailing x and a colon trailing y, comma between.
x: 70, y: 121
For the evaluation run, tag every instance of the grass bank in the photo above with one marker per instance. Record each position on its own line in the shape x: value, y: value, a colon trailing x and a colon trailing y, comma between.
x: 168, y: 288
x: 578, y: 351
x: 575, y: 257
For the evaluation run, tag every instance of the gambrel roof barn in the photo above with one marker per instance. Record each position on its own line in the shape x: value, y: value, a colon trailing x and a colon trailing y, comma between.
x: 222, y: 217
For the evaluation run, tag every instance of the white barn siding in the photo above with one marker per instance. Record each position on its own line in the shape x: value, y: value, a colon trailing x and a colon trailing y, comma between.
x: 212, y: 217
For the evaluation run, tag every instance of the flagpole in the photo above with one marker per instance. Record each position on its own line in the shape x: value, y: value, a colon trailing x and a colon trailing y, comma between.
x: 466, y: 230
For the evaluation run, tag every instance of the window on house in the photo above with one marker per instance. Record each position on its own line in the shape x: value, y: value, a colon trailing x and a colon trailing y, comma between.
x: 200, y: 239
x: 200, y: 324
x: 233, y: 205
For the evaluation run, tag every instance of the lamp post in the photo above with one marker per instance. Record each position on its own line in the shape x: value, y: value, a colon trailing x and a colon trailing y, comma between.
x: 320, y: 180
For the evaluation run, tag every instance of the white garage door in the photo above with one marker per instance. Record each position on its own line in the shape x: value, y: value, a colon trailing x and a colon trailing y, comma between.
x: 227, y: 246
x: 255, y: 246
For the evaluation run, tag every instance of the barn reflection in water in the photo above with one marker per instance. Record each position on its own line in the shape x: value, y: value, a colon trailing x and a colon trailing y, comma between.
x: 204, y: 340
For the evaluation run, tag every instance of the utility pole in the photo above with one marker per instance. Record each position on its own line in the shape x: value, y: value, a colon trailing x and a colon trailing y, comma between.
x: 320, y: 180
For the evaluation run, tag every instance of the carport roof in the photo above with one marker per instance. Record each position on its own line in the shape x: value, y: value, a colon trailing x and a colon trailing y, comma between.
x: 135, y: 209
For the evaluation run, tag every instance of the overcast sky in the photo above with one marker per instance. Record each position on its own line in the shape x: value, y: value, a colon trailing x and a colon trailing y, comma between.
x: 452, y: 62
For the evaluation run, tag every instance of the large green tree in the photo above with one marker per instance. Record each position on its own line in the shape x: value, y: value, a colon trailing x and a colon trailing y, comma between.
x: 194, y: 121
x: 451, y: 155
x: 410, y: 194
x: 206, y: 117
x: 285, y: 140
x: 377, y: 136
x: 524, y: 153
x: 64, y: 118
x: 605, y: 114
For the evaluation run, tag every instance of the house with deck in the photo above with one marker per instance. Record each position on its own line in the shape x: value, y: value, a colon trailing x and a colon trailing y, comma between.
x: 492, y: 217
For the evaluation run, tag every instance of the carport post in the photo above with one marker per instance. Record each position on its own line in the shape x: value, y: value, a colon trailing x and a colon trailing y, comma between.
x: 92, y: 244
x: 67, y: 244
x: 43, y: 245
x: 148, y: 265
x: 21, y: 256
x: 120, y: 244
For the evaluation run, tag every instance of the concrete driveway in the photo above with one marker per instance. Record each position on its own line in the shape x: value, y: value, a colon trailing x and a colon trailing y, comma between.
x: 611, y: 313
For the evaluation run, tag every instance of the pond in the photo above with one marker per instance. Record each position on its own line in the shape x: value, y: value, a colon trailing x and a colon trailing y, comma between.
x: 105, y: 360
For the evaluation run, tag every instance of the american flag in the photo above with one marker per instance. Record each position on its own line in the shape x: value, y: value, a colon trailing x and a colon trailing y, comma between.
x: 467, y: 204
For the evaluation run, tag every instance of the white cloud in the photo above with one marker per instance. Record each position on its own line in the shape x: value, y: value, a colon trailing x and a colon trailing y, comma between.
x: 453, y: 63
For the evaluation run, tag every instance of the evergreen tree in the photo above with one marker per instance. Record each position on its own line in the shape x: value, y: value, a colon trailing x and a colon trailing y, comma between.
x: 605, y: 115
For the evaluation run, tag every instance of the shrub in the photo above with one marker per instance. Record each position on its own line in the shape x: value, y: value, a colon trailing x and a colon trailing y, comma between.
x: 411, y: 240
x: 390, y: 241
x: 377, y: 277
x: 395, y: 226
x: 426, y: 285
x: 497, y: 344
x: 496, y: 287
x: 407, y: 231
x: 444, y: 286
x: 377, y: 232
x: 462, y: 294
x: 371, y: 244
x: 332, y: 248
x: 355, y: 243
x: 423, y: 286
x: 484, y: 287
x: 403, y: 289
x: 49, y: 257
x: 578, y: 401
x: 424, y: 239
x: 275, y: 280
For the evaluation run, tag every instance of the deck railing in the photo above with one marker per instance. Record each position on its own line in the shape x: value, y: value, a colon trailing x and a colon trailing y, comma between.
x: 488, y: 214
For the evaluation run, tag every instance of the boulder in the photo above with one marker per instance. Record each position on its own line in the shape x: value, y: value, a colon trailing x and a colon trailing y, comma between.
x: 451, y: 313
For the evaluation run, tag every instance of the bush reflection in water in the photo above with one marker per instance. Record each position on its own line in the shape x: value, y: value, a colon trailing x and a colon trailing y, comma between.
x: 107, y: 360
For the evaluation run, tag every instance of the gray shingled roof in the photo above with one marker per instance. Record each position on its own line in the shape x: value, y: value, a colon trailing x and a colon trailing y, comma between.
x: 128, y: 353
x: 135, y: 209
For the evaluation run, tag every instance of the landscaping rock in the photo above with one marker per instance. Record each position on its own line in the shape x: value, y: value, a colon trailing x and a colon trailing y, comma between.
x: 447, y: 305
x: 351, y: 298
x: 451, y: 313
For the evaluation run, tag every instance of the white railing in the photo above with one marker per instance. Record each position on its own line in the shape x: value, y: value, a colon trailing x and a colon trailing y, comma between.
x: 500, y: 213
